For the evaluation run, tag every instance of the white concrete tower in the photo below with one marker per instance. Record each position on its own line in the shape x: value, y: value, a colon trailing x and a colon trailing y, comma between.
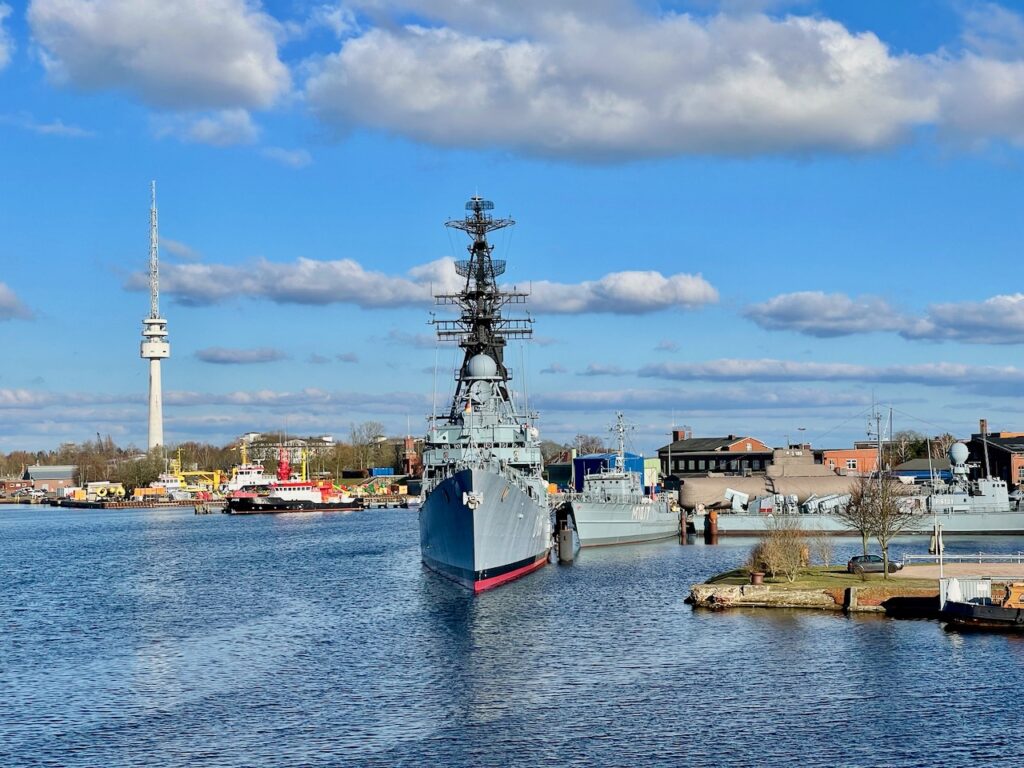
x: 154, y: 333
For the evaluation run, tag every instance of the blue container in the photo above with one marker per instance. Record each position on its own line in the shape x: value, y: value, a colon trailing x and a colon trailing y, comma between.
x: 381, y: 471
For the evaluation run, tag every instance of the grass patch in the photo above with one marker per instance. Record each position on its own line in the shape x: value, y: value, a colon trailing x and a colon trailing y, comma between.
x: 818, y: 577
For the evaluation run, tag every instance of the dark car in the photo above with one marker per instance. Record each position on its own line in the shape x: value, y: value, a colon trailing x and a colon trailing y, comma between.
x: 870, y: 564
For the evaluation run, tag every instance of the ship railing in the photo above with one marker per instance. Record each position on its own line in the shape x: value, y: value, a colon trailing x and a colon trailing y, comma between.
x: 509, y: 472
x: 966, y: 557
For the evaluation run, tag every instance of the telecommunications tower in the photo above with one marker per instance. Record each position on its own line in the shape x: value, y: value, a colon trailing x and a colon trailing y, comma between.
x: 154, y: 333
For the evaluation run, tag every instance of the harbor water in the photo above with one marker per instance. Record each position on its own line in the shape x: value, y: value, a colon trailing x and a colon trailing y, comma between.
x: 157, y: 637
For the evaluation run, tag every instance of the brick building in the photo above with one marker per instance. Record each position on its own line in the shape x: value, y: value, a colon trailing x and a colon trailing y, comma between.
x: 694, y: 456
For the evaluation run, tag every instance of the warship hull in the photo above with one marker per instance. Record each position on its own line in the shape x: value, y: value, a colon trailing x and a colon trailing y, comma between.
x: 482, y: 530
x: 1004, y: 523
x: 603, y: 523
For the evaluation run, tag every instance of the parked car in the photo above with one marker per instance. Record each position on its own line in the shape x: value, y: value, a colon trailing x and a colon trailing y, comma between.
x: 870, y: 564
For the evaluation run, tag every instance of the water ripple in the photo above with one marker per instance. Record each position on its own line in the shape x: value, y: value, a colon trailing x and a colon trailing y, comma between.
x: 139, y: 638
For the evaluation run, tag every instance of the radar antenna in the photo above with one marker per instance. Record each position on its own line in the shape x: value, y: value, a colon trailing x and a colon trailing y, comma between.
x: 154, y: 256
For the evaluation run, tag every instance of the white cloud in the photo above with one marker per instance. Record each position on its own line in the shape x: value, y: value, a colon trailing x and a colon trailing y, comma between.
x: 583, y: 86
x: 607, y: 80
x: 974, y: 377
x: 56, y: 127
x: 11, y: 307
x: 816, y: 313
x: 345, y: 281
x: 179, y: 249
x: 627, y: 293
x: 600, y: 369
x: 499, y: 17
x: 414, y: 340
x: 224, y: 128
x: 6, y: 43
x: 667, y: 345
x: 292, y: 158
x: 59, y: 128
x: 27, y: 415
x: 227, y: 356
x: 998, y: 320
x: 718, y: 399
x: 335, y: 17
x: 187, y: 54
x: 554, y: 368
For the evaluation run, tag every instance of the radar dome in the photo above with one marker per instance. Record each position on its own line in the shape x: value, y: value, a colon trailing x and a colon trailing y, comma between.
x: 481, y: 367
x: 958, y: 453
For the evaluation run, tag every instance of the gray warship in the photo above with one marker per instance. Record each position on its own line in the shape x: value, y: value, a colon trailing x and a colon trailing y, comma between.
x: 613, y: 509
x: 484, y: 519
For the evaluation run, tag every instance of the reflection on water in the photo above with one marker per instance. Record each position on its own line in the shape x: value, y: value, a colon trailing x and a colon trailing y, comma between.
x: 160, y: 637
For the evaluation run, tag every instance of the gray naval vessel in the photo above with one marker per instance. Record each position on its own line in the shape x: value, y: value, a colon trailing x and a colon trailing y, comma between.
x: 613, y: 509
x: 484, y: 519
x: 960, y: 506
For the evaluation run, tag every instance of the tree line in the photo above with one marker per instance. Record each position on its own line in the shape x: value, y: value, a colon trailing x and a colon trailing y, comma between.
x: 102, y: 459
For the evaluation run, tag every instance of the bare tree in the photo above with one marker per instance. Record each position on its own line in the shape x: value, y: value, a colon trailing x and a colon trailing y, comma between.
x: 588, y: 444
x: 905, y: 445
x: 857, y: 513
x: 941, y: 445
x: 365, y: 438
x: 780, y: 549
x: 821, y: 547
x: 891, y: 513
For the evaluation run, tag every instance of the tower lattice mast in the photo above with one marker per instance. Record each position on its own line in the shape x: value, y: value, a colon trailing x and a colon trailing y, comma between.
x: 480, y: 327
x: 155, y: 346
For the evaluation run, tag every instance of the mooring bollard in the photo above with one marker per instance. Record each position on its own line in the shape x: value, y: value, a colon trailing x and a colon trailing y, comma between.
x: 711, y: 527
x: 565, y: 544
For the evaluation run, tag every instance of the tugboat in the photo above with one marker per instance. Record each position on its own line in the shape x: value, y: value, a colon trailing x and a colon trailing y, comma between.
x: 613, y: 509
x: 979, y: 609
x: 484, y: 519
x: 290, y: 495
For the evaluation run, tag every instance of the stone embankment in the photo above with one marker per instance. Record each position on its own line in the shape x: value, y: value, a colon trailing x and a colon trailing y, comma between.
x: 720, y: 596
x: 892, y: 600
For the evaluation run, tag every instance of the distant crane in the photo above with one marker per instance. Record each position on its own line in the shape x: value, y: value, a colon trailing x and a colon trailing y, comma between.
x: 155, y: 346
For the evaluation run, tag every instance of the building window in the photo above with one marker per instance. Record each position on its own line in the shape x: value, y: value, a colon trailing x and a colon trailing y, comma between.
x: 756, y: 463
x: 750, y: 446
x: 851, y: 463
x: 1020, y: 472
x: 733, y: 465
x: 690, y: 465
x: 702, y: 464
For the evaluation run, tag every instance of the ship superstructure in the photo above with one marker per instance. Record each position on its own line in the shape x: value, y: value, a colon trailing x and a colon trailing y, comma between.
x: 484, y: 518
x: 613, y: 508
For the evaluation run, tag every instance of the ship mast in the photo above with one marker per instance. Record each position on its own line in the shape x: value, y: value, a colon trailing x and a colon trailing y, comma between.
x: 480, y: 328
x: 619, y: 428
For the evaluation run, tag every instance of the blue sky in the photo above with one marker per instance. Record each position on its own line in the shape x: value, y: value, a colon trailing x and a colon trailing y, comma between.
x: 751, y: 217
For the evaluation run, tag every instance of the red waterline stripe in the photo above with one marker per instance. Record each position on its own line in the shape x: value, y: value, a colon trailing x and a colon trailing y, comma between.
x: 497, y: 581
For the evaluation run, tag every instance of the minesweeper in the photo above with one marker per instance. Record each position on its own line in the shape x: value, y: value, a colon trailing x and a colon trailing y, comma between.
x: 613, y: 508
x: 484, y: 519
